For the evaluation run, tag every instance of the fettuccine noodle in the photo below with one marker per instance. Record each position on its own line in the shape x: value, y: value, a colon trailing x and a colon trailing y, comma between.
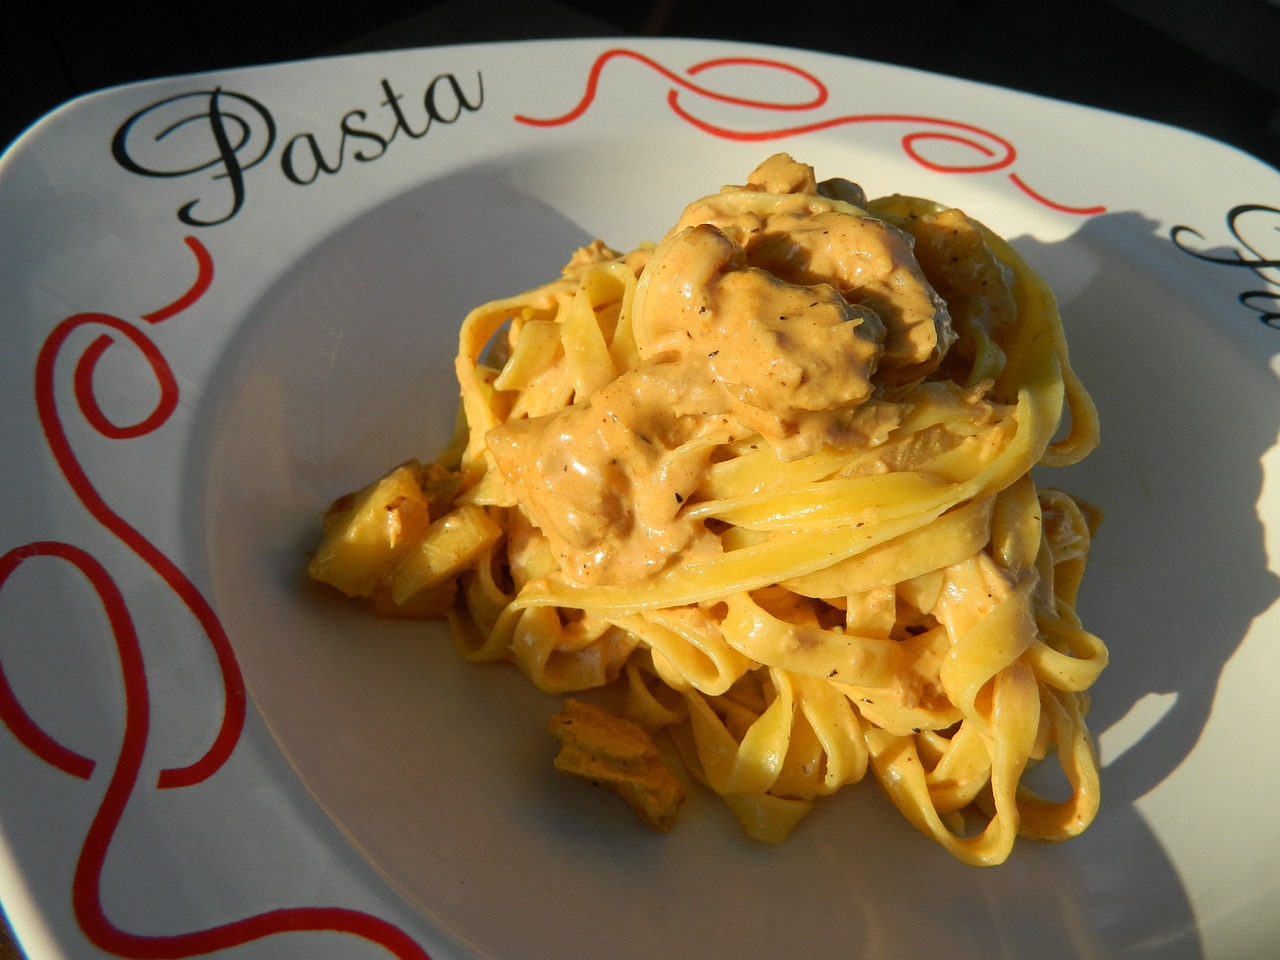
x: 772, y: 477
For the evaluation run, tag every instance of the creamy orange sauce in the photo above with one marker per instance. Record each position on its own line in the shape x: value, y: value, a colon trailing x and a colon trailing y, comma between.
x: 776, y: 309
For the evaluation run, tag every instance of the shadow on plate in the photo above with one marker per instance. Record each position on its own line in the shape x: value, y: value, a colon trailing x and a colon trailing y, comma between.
x: 439, y: 771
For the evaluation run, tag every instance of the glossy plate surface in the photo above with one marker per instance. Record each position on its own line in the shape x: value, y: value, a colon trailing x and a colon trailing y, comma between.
x: 228, y: 298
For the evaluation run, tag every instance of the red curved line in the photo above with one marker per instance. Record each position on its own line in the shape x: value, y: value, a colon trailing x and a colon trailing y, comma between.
x: 233, y: 682
x: 88, y: 400
x: 909, y: 141
x: 597, y: 68
x: 817, y: 101
x: 19, y: 722
x: 87, y: 879
x: 1052, y: 204
x: 725, y: 133
x: 763, y: 135
x: 935, y: 135
x: 204, y: 277
x: 107, y: 936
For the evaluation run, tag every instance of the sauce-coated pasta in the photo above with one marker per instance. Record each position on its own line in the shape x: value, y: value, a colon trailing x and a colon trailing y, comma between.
x: 771, y: 477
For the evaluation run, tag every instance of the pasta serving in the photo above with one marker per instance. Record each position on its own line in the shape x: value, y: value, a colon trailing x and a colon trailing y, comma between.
x: 770, y: 479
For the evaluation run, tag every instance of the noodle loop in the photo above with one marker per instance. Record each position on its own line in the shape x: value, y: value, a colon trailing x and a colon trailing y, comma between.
x: 771, y: 478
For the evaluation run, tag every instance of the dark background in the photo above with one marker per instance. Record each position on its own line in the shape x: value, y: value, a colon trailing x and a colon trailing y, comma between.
x: 1212, y: 66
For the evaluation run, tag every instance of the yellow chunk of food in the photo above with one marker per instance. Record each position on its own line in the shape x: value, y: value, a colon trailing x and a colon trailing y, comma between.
x: 431, y: 603
x: 366, y: 533
x: 439, y: 485
x: 448, y: 546
x: 615, y: 753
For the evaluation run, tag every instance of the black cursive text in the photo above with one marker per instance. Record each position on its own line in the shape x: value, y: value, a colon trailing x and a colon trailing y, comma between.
x: 225, y: 134
x: 1265, y: 302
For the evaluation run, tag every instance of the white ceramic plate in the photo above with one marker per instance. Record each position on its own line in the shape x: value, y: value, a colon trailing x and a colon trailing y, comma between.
x: 228, y: 298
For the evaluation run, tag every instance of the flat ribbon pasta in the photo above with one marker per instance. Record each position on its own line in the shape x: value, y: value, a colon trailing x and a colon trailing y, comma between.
x: 772, y: 478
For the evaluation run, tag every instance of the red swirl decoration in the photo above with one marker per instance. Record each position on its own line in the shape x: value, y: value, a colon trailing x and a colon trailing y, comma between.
x: 86, y: 883
x: 993, y: 152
